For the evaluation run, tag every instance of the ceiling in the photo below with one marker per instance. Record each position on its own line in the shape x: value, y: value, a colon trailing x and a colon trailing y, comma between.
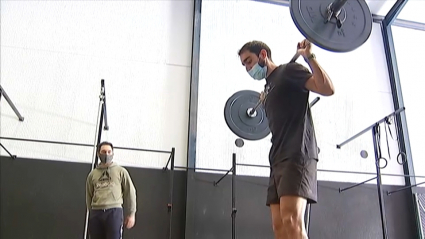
x: 412, y: 10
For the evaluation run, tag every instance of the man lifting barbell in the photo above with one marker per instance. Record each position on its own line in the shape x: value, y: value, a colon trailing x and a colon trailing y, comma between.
x: 294, y: 153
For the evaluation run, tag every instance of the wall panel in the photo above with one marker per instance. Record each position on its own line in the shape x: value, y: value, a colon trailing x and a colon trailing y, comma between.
x: 352, y: 214
x: 47, y: 200
x: 54, y: 55
x: 411, y: 81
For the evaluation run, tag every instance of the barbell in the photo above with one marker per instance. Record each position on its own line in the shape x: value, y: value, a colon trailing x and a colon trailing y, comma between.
x: 333, y: 25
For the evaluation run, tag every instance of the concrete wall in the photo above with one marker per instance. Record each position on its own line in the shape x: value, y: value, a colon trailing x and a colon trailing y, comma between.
x: 54, y: 55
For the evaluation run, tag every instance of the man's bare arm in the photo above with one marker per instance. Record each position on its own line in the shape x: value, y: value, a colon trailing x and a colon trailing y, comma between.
x: 320, y: 82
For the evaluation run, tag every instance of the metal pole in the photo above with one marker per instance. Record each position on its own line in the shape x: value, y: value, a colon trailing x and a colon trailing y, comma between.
x: 100, y: 120
x: 337, y: 5
x: 233, y: 196
x: 9, y: 101
x: 105, y: 118
x: 83, y: 145
x: 308, y: 218
x: 338, y: 146
x: 96, y: 142
x: 404, y: 188
x: 170, y: 204
x: 227, y: 173
x: 201, y: 169
x: 7, y: 151
x: 356, y: 185
x: 379, y: 181
x: 342, y: 171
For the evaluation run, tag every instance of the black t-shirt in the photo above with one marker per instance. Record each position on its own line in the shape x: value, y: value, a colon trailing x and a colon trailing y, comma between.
x: 288, y: 112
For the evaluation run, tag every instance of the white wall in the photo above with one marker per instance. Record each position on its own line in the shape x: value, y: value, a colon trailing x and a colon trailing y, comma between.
x: 54, y: 54
x: 412, y: 85
x: 363, y: 94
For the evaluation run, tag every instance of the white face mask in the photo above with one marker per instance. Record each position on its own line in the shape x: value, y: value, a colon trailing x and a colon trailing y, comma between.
x: 257, y: 72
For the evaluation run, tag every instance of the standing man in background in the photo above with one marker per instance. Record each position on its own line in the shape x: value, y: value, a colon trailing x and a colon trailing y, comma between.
x: 108, y: 187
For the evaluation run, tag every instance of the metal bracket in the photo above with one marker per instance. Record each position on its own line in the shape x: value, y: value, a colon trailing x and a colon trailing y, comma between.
x: 9, y: 101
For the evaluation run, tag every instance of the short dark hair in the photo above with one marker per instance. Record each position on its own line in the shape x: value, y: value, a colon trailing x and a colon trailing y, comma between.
x: 255, y: 47
x: 104, y: 143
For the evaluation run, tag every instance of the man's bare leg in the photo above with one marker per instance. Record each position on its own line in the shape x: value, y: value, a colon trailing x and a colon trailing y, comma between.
x: 277, y: 221
x: 292, y: 210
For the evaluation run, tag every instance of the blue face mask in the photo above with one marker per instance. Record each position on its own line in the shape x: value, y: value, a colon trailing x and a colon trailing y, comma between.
x: 257, y: 72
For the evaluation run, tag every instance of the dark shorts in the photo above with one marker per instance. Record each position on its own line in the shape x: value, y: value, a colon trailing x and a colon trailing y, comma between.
x: 293, y: 177
x: 106, y: 224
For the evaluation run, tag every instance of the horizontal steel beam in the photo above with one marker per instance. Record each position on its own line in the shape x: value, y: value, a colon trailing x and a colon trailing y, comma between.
x: 82, y: 145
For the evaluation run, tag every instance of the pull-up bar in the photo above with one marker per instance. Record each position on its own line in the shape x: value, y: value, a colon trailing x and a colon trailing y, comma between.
x: 340, y: 171
x: 82, y: 145
x: 7, y: 151
x: 404, y: 188
x: 378, y: 157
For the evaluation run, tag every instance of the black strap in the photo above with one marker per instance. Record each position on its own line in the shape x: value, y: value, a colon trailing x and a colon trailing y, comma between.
x: 388, y: 122
x: 378, y: 140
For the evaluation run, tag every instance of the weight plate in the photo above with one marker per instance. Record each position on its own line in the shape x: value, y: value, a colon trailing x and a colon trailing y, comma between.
x: 309, y: 17
x: 236, y: 115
